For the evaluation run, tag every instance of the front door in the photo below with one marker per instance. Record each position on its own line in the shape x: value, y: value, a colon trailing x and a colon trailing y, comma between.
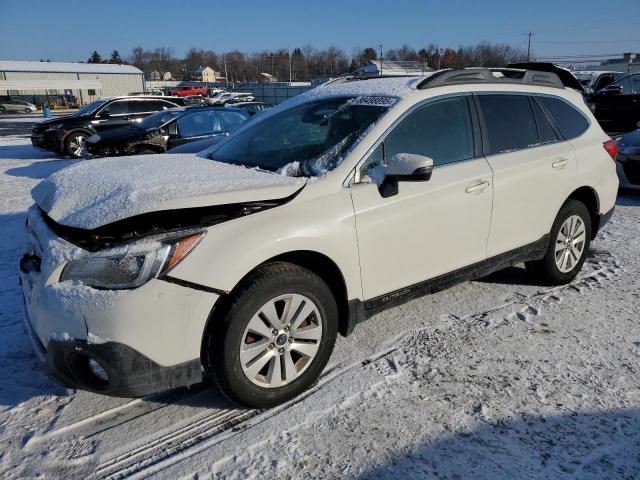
x: 427, y: 228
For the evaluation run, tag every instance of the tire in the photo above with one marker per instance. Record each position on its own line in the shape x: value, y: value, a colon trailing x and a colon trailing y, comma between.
x: 27, y: 110
x: 278, y: 372
x: 74, y: 143
x: 572, y: 241
x: 2, y: 109
x: 146, y: 151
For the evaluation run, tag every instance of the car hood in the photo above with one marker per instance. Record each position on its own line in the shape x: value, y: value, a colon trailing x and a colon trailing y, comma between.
x: 96, y: 193
x: 118, y: 136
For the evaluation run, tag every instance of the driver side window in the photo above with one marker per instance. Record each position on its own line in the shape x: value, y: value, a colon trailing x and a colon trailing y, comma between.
x: 441, y: 130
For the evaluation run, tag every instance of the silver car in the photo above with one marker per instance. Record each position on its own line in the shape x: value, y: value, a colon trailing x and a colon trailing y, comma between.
x: 17, y: 106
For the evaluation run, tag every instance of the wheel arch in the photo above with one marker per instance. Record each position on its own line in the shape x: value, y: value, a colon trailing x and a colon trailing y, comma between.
x: 318, y: 263
x: 589, y: 197
x: 63, y: 141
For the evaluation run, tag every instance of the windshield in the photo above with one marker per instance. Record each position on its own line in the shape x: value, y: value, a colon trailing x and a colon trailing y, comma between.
x: 305, y: 140
x: 158, y: 119
x: 91, y: 107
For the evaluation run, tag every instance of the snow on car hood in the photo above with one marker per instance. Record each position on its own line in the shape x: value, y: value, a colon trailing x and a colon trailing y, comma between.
x: 94, y: 193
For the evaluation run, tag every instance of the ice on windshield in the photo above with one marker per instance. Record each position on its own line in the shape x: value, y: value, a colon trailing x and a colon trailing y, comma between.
x: 308, y: 139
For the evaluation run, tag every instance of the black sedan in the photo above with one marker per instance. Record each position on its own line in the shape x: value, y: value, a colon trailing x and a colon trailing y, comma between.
x: 628, y: 159
x: 164, y: 130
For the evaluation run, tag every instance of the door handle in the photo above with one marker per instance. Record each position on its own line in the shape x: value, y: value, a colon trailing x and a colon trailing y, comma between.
x: 478, y: 187
x: 560, y: 163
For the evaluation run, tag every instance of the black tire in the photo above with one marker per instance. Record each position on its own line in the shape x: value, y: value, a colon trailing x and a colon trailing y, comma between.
x: 546, y: 270
x: 225, y: 335
x: 69, y: 148
x: 27, y: 110
x: 146, y: 151
x: 2, y: 109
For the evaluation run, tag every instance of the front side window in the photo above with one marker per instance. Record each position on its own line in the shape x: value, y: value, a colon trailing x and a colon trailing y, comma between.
x: 158, y: 119
x: 117, y: 108
x: 509, y: 122
x: 441, y: 130
x: 570, y: 121
x: 230, y: 120
x: 308, y: 139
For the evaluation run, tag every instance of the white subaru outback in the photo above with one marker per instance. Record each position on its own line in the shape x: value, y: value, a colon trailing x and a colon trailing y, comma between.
x: 243, y: 264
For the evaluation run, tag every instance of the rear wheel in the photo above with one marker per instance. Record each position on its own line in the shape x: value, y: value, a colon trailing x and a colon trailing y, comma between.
x: 275, y: 338
x: 27, y: 110
x: 569, y: 242
x: 74, y: 144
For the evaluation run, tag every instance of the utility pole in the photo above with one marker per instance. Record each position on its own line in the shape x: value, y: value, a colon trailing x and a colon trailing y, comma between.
x: 380, y: 59
x: 289, y: 66
x: 529, y: 46
x: 226, y: 74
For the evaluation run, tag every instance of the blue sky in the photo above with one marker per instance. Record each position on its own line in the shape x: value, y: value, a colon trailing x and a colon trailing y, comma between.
x: 68, y: 30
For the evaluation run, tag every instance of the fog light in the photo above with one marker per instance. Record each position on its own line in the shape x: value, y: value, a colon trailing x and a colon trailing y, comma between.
x: 97, y: 370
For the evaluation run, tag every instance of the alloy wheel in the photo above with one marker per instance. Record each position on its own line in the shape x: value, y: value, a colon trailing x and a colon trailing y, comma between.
x: 281, y: 340
x: 76, y: 144
x: 570, y: 243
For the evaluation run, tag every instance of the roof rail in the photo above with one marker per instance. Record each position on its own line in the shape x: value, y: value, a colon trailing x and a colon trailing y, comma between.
x: 491, y: 75
x: 358, y: 78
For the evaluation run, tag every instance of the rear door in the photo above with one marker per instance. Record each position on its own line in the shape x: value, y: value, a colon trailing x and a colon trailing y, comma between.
x: 533, y: 170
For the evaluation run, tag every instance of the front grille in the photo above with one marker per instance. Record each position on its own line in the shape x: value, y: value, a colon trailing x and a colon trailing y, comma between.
x: 632, y: 171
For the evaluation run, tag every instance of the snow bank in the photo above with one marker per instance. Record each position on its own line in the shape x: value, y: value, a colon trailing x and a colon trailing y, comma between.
x: 97, y: 192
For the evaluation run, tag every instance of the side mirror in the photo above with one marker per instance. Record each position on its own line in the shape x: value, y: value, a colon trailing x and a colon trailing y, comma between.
x: 405, y: 167
x: 610, y: 90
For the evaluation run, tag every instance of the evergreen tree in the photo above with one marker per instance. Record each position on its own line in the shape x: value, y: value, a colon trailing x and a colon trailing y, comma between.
x: 95, y: 58
x: 115, y: 57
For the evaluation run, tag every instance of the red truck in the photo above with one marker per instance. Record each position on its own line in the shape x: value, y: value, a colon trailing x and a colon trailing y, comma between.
x: 186, y: 90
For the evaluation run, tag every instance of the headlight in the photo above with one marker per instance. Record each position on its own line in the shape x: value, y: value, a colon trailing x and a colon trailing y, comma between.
x: 132, y: 265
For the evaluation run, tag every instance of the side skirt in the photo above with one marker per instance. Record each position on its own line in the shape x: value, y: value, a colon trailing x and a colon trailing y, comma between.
x: 360, y: 311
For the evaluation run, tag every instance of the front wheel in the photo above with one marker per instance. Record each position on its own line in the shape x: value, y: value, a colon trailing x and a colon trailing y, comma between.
x: 275, y: 338
x: 569, y: 242
x: 75, y: 144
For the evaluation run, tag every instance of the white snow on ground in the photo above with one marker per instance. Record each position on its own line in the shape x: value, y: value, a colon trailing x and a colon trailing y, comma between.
x: 497, y: 378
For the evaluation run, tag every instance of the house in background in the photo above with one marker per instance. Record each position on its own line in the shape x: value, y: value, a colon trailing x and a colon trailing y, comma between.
x: 265, y: 78
x: 206, y: 74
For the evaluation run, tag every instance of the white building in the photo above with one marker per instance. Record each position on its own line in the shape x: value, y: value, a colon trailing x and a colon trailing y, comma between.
x: 35, y: 81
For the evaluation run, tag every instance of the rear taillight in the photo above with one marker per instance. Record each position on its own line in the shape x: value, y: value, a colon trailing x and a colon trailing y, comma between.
x: 611, y: 146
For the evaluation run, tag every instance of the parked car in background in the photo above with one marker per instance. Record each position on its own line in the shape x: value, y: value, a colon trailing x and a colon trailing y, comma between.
x: 617, y: 106
x: 251, y: 107
x: 13, y: 106
x: 161, y: 131
x: 628, y: 159
x: 67, y: 135
x: 198, y: 146
x: 231, y: 97
x: 355, y: 198
x: 194, y: 100
x: 595, y: 80
x: 187, y: 90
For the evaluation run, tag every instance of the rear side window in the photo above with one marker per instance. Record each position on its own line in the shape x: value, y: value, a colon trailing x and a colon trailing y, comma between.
x: 198, y: 123
x: 545, y: 129
x: 441, y: 130
x: 570, y: 121
x: 509, y: 122
x: 231, y: 120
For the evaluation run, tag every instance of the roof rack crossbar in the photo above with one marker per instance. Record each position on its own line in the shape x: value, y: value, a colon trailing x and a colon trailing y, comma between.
x: 491, y: 75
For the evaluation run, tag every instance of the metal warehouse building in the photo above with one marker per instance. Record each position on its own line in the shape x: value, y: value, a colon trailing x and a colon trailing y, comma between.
x: 37, y: 81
